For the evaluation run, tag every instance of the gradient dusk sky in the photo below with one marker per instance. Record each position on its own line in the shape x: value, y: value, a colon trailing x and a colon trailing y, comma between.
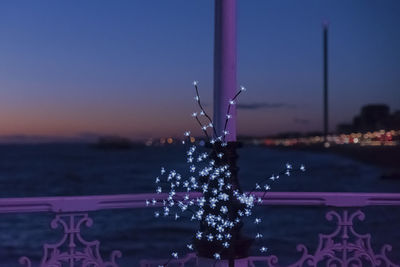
x: 125, y: 67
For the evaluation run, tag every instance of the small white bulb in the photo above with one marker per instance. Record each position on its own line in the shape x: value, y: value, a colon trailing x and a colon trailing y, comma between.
x: 302, y: 168
x: 199, y: 235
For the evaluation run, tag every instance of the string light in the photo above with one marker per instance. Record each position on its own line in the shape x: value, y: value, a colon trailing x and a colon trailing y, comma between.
x: 199, y: 235
x: 302, y: 168
x: 213, y: 178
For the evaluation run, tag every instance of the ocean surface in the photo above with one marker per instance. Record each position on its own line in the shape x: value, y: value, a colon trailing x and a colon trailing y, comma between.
x: 67, y: 170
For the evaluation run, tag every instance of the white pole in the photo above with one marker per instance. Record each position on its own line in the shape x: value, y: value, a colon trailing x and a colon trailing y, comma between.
x: 225, y: 66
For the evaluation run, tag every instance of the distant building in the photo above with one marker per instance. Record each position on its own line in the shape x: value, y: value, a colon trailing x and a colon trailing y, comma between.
x: 373, y: 117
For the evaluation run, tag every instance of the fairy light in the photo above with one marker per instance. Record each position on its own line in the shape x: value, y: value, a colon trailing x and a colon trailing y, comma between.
x: 212, y: 178
x: 302, y: 168
x: 199, y: 235
x: 210, y: 237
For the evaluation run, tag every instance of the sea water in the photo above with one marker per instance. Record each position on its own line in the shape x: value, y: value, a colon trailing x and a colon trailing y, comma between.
x: 79, y: 169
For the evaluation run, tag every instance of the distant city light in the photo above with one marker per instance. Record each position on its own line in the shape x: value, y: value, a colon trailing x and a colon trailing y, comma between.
x: 377, y: 138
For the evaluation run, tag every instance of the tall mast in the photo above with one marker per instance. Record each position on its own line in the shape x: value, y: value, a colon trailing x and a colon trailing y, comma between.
x: 325, y: 48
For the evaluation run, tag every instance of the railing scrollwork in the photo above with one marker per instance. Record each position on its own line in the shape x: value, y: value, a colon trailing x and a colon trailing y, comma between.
x: 344, y: 246
x: 72, y: 249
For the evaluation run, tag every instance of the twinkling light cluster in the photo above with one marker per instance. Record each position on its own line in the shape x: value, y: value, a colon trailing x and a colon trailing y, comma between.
x: 209, y: 174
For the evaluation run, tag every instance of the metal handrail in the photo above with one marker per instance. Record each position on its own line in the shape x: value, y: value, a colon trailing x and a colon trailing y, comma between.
x: 62, y: 204
x: 72, y: 213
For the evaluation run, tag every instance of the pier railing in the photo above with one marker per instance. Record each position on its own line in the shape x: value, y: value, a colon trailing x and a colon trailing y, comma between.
x: 344, y: 246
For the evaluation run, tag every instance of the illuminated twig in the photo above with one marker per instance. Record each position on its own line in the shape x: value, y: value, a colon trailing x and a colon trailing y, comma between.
x: 231, y: 102
x: 213, y: 180
x: 202, y: 127
x: 201, y: 107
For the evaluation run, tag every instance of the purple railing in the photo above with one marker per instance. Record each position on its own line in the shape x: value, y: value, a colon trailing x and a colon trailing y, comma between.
x: 344, y: 246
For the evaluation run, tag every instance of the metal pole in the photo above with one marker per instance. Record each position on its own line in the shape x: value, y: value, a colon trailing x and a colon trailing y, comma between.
x: 225, y: 66
x: 325, y: 48
x: 225, y: 74
x: 224, y: 90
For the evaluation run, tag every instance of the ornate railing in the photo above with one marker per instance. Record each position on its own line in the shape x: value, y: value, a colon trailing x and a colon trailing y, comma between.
x: 344, y: 246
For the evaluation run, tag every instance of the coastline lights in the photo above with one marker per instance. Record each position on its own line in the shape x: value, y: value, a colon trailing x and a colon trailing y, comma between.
x: 376, y: 138
x: 212, y: 177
